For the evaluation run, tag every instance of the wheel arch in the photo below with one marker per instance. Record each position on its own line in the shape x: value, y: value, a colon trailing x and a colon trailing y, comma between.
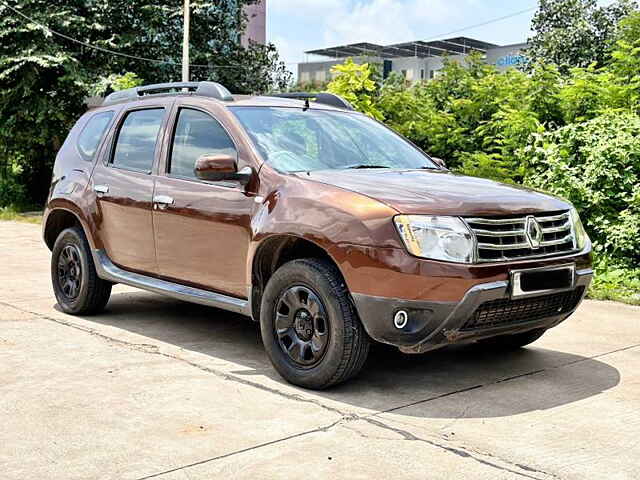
x: 273, y: 252
x: 59, y: 219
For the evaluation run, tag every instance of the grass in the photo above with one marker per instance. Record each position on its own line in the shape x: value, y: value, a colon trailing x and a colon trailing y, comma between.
x: 11, y: 214
x: 619, y: 284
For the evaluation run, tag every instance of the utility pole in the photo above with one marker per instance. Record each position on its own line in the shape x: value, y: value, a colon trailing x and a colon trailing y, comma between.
x: 185, y: 41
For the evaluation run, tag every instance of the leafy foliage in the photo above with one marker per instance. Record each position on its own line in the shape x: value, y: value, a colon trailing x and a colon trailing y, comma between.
x: 476, y: 118
x: 596, y: 164
x: 44, y: 78
x: 613, y: 281
x: 575, y: 33
x: 355, y: 84
x: 116, y: 82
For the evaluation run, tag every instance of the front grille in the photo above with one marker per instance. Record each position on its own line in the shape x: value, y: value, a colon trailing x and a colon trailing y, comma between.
x: 504, y: 238
x: 505, y: 311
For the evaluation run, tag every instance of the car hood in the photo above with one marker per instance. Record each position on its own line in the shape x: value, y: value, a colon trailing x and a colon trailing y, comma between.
x: 439, y: 192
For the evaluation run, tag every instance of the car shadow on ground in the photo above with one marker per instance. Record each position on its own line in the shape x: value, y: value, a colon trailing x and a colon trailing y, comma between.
x: 493, y: 384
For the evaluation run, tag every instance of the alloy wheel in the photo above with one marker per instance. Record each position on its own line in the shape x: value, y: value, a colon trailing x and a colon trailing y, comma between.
x: 70, y: 272
x: 301, y: 325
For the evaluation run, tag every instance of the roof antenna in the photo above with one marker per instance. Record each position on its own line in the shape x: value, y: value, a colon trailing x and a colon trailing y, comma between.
x: 306, y: 104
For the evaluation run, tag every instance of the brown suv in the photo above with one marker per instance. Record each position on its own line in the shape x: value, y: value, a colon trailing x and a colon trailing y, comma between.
x: 318, y: 222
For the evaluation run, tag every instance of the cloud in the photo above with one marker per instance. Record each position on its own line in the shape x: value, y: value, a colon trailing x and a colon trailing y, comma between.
x: 299, y: 25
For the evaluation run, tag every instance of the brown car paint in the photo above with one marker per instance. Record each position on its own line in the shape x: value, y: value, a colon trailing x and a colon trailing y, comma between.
x: 212, y: 232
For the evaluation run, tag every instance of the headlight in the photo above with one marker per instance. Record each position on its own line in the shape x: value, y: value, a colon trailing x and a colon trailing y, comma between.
x: 579, y: 233
x: 438, y: 238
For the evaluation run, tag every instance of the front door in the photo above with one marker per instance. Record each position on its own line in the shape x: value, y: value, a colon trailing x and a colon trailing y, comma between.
x: 123, y: 184
x: 202, y: 228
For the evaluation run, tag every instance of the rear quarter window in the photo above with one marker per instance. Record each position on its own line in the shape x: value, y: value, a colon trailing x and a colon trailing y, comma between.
x: 93, y: 133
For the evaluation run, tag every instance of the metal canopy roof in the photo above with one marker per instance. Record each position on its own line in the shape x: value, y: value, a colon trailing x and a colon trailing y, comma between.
x: 449, y: 46
x: 353, y: 49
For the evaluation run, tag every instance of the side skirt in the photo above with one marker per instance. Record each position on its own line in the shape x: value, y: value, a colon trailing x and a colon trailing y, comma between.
x: 110, y: 272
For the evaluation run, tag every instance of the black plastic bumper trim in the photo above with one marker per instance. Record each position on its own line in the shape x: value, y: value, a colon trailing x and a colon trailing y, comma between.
x: 433, y: 325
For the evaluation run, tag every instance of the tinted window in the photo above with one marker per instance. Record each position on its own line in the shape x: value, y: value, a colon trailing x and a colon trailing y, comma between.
x: 292, y: 139
x: 197, y: 134
x: 136, y: 142
x: 92, y: 134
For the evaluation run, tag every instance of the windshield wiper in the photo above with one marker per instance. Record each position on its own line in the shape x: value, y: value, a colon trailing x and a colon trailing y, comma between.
x: 364, y: 165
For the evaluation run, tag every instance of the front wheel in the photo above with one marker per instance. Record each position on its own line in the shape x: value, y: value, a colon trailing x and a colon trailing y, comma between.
x: 309, y: 326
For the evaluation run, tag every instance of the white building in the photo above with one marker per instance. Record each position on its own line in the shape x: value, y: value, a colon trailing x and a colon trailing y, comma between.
x: 417, y: 60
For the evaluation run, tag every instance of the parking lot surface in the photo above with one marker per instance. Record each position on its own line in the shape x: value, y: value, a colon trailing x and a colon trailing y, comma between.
x: 157, y: 388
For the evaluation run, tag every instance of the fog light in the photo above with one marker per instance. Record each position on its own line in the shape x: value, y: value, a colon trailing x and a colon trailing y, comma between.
x: 400, y: 319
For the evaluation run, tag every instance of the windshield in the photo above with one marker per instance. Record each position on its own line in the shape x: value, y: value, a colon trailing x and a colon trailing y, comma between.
x: 293, y: 140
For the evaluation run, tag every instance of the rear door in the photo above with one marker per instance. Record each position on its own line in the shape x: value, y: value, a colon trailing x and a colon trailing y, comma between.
x: 202, y: 228
x: 123, y: 183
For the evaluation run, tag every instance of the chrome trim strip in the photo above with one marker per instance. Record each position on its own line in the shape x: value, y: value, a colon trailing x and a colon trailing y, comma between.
x: 110, y: 272
x: 493, y: 246
x: 516, y: 289
x: 584, y: 272
x: 562, y: 228
x: 559, y: 241
x: 494, y: 221
x: 491, y: 233
x: 553, y: 218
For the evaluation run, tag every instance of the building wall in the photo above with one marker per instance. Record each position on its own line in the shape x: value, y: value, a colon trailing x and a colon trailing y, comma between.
x: 256, y: 29
x: 320, y: 72
x: 414, y: 68
x: 507, y: 56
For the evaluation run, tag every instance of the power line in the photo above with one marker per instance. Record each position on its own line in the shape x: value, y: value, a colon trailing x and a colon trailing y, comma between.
x: 482, y: 24
x: 168, y: 62
x: 113, y: 52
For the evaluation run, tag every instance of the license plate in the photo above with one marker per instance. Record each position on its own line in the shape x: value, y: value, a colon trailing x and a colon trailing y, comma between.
x: 536, y: 281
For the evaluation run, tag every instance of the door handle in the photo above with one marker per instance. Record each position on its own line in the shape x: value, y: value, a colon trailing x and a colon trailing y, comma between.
x: 101, y: 188
x: 162, y: 201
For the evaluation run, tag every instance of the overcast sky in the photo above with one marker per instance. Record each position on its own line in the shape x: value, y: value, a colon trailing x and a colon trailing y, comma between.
x: 299, y: 25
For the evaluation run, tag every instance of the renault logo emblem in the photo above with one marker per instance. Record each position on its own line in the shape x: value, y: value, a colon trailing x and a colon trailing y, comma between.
x: 533, y: 232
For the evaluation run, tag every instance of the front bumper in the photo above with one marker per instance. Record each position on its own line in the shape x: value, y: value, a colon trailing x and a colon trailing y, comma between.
x: 433, y: 324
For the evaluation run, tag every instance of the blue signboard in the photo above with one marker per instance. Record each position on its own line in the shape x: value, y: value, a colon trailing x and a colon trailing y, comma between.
x: 512, y: 60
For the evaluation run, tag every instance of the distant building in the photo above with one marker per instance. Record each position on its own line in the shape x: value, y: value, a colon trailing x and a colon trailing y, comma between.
x: 256, y: 30
x: 415, y: 60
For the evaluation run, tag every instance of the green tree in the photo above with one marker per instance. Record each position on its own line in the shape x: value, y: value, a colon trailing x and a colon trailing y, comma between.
x: 355, y: 83
x: 575, y: 33
x: 44, y: 78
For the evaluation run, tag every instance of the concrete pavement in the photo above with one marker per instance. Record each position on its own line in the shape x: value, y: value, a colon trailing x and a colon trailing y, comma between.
x: 156, y: 388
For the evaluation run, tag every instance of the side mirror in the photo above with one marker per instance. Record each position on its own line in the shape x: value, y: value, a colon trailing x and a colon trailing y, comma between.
x: 439, y: 162
x: 215, y: 168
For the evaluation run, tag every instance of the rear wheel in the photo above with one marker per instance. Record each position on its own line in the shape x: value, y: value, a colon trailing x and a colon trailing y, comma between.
x: 512, y: 342
x: 309, y: 327
x: 76, y: 284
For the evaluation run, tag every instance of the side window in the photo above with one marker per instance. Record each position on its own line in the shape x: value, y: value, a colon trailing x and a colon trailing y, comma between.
x: 92, y: 133
x: 136, y: 142
x: 197, y: 134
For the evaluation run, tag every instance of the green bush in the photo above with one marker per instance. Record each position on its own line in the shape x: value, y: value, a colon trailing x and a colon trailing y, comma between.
x: 615, y: 282
x: 11, y: 192
x: 357, y: 85
x: 596, y: 165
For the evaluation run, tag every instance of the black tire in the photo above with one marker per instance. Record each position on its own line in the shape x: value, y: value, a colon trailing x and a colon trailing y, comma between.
x: 511, y: 342
x: 345, y: 342
x: 76, y: 284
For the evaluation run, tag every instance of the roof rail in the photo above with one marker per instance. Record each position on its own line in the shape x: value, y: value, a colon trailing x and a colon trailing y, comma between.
x: 206, y: 89
x: 324, y: 98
